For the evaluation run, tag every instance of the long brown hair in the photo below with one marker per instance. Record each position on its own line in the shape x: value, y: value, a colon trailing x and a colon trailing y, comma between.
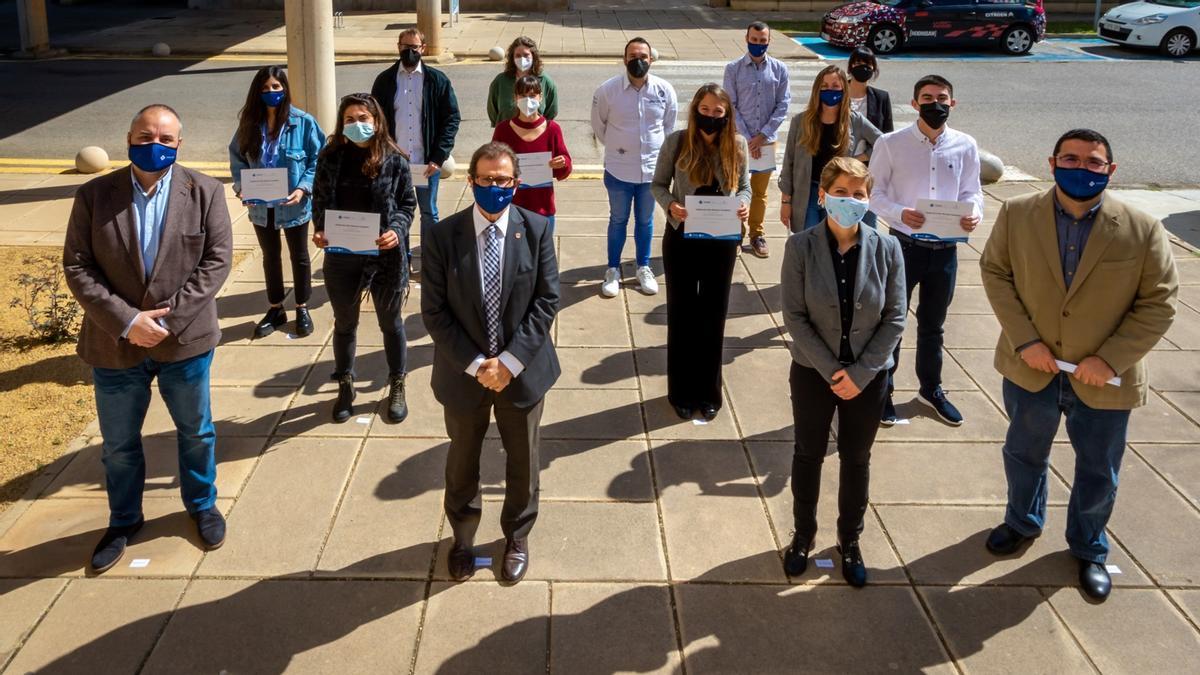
x: 695, y: 154
x: 379, y: 146
x: 510, y: 64
x: 254, y: 112
x: 810, y: 138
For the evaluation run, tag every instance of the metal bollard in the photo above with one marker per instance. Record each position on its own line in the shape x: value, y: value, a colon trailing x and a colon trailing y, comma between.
x: 339, y: 20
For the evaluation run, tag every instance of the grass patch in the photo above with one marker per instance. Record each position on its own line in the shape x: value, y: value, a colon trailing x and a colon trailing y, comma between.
x: 1052, y: 27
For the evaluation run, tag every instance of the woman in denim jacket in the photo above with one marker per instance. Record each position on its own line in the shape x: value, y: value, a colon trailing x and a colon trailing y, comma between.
x: 273, y: 134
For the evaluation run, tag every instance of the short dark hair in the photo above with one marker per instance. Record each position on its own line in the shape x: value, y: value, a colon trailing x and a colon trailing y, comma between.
x: 863, y: 54
x: 757, y: 25
x: 936, y: 80
x: 158, y: 106
x: 1085, y: 135
x: 635, y: 41
x: 494, y: 150
x: 527, y: 84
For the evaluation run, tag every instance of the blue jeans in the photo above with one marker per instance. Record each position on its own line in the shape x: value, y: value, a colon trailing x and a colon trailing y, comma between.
x: 1098, y: 437
x: 427, y: 204
x: 550, y: 219
x: 621, y: 196
x: 122, y: 398
x: 936, y: 271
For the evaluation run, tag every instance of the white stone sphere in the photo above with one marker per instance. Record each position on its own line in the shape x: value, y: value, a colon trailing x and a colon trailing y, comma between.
x: 448, y: 168
x: 161, y: 49
x: 91, y: 159
x: 496, y: 53
x: 654, y: 53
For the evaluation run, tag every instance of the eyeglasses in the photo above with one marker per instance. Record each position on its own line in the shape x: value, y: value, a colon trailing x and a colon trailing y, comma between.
x: 489, y: 181
x: 1073, y: 162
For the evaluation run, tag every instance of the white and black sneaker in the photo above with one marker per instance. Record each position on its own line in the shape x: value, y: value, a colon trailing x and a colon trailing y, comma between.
x: 942, y: 406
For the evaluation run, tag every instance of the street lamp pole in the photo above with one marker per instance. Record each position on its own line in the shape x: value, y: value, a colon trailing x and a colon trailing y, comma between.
x: 309, y: 25
x: 35, y: 31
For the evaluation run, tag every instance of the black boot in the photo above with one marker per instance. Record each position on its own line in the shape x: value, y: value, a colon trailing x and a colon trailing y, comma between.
x: 343, y: 407
x: 304, y: 324
x: 274, y: 318
x: 397, y: 405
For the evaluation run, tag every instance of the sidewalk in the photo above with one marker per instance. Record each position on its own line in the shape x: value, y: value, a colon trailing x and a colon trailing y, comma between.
x: 657, y: 545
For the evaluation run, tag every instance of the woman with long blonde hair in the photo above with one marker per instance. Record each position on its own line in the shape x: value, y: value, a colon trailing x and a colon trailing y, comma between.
x: 706, y: 158
x: 827, y: 128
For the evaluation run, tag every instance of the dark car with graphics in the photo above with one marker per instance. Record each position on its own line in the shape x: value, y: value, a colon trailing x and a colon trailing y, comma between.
x: 888, y: 25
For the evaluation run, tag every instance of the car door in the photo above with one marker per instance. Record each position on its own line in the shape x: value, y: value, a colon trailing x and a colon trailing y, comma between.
x: 941, y: 21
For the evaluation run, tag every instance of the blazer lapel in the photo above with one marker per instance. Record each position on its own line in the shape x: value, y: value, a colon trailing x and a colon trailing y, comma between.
x: 121, y: 203
x: 468, y: 264
x: 868, y: 239
x: 824, y: 261
x: 514, y: 251
x: 1104, y: 230
x: 179, y: 203
x: 1045, y: 231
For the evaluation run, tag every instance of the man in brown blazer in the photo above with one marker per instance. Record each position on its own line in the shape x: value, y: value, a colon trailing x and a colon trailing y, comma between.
x: 147, y: 248
x: 1082, y: 282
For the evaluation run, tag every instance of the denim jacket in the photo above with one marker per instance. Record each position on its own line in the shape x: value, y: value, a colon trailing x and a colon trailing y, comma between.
x: 300, y: 141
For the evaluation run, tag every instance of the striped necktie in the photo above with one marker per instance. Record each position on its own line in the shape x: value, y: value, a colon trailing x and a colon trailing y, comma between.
x: 491, y: 287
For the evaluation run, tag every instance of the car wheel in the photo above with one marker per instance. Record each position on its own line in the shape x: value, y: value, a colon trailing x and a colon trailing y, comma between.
x: 1017, y: 41
x: 1178, y: 43
x: 884, y: 38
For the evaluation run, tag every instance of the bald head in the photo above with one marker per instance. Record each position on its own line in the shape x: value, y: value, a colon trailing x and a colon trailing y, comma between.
x: 156, y: 123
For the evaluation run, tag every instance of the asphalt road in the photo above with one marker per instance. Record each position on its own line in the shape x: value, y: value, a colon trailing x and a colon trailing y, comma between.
x: 49, y: 110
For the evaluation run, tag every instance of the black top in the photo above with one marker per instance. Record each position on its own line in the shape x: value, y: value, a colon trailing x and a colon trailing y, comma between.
x: 829, y: 135
x: 353, y: 186
x: 845, y: 267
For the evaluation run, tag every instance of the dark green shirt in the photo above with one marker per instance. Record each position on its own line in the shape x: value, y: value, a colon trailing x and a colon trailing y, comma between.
x: 502, y: 105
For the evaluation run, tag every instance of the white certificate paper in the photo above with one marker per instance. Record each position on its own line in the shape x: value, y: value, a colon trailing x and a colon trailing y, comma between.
x: 535, y: 169
x: 943, y: 220
x: 765, y: 161
x: 712, y: 218
x: 352, y: 232
x: 264, y: 186
x: 1068, y: 367
x: 418, y: 175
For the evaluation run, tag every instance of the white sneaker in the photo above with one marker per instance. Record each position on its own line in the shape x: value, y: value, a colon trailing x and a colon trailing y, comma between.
x: 646, y: 281
x: 612, y: 282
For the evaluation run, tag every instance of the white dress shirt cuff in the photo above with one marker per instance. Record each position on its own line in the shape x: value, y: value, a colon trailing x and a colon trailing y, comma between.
x: 129, y: 327
x: 474, y: 367
x: 513, y: 364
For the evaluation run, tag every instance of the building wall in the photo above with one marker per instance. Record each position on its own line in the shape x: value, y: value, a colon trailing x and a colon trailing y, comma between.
x: 1053, y: 7
x: 393, y: 5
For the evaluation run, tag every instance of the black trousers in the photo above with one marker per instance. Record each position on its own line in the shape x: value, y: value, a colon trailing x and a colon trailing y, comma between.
x: 520, y: 431
x: 297, y: 242
x: 698, y: 274
x: 346, y: 277
x: 813, y: 405
x: 935, y: 270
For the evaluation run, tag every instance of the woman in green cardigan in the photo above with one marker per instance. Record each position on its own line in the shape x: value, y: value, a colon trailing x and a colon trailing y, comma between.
x: 522, y: 59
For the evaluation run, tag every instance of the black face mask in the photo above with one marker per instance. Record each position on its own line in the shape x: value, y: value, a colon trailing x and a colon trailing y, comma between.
x: 638, y: 67
x: 410, y: 57
x: 862, y: 72
x: 935, y: 114
x: 710, y: 125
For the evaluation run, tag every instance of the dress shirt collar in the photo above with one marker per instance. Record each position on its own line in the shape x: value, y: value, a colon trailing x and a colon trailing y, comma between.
x: 481, y: 223
x: 629, y: 83
x: 419, y: 70
x: 920, y: 135
x: 162, y: 184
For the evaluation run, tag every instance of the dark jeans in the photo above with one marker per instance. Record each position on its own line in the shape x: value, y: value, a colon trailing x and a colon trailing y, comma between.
x: 698, y: 273
x: 297, y: 242
x: 520, y: 433
x: 1098, y: 437
x: 935, y: 270
x: 122, y: 398
x: 813, y: 405
x: 347, y: 276
x: 427, y: 197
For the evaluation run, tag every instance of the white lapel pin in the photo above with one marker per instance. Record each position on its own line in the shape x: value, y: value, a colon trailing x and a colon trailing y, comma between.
x: 516, y: 235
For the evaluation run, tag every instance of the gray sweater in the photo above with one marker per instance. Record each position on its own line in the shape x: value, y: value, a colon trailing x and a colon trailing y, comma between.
x: 672, y: 185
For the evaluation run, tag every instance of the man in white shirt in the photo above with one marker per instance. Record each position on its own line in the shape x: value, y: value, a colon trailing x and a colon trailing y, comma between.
x: 927, y: 160
x: 632, y: 114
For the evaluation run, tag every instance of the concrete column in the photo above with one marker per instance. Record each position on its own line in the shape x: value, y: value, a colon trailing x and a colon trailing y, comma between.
x: 429, y: 22
x: 310, y: 58
x: 35, y: 31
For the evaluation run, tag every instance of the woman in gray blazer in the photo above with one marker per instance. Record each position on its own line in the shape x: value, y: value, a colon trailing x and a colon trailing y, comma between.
x: 844, y: 305
x: 828, y: 128
x: 706, y: 158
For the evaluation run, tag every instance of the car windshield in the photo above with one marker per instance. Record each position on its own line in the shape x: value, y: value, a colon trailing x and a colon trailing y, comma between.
x: 891, y: 3
x: 1175, y: 3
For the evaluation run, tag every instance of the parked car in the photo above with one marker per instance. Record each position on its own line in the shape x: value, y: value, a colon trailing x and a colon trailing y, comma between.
x: 1171, y: 26
x: 887, y: 25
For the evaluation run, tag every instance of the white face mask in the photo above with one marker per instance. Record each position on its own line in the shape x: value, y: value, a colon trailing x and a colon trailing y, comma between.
x: 523, y: 63
x: 529, y: 106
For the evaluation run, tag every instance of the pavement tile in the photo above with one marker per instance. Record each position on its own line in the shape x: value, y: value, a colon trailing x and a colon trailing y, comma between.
x: 1179, y: 464
x: 759, y: 393
x: 661, y: 419
x: 585, y: 319
x: 954, y: 378
x: 1134, y: 631
x: 93, y: 623
x: 592, y: 414
x: 1185, y: 331
x: 242, y: 304
x: 612, y: 470
x: 309, y: 414
x: 23, y: 602
x: 742, y: 331
x: 1190, y: 601
x: 1175, y: 371
x: 722, y: 624
x: 970, y: 300
x: 282, y: 517
x: 596, y: 367
x: 967, y: 473
x: 315, y: 627
x: 485, y: 628
x: 610, y: 628
x: 236, y: 411
x: 250, y: 365
x: 1159, y: 422
x: 983, y: 422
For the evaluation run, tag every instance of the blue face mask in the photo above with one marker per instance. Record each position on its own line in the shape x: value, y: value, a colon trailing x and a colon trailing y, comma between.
x: 831, y: 97
x: 359, y: 132
x: 756, y: 50
x: 273, y: 98
x: 846, y: 211
x: 152, y: 157
x: 493, y: 198
x: 1080, y: 184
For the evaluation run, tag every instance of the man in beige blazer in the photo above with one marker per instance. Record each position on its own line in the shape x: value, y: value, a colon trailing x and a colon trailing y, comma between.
x: 147, y: 248
x: 1075, y: 277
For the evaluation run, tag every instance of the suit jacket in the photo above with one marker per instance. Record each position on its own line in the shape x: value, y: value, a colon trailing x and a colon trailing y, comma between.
x: 810, y: 303
x: 102, y: 260
x: 879, y: 109
x: 670, y: 184
x: 439, y: 110
x: 452, y: 307
x: 795, y: 176
x: 1121, y: 302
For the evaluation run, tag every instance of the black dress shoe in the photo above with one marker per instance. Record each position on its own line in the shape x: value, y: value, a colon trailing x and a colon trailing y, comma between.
x: 1006, y: 541
x: 304, y: 324
x: 461, y: 562
x: 942, y: 406
x: 854, y: 571
x: 343, y: 407
x: 708, y: 411
x: 516, y: 560
x: 795, y: 557
x: 211, y: 525
x: 112, y: 546
x: 889, y: 416
x: 684, y: 412
x: 1094, y: 579
x: 397, y: 410
x: 274, y: 318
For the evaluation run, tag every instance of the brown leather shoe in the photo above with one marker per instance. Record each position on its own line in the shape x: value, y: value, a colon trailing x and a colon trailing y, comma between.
x: 759, y: 246
x: 516, y: 560
x: 461, y: 562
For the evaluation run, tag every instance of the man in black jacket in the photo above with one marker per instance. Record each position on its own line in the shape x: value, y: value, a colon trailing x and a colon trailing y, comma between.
x: 422, y: 115
x: 489, y: 294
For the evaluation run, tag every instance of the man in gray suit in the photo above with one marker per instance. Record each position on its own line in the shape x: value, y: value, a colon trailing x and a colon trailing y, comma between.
x: 147, y: 248
x: 489, y: 293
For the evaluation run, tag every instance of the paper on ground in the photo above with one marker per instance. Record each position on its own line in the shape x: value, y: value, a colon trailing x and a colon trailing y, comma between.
x: 138, y: 563
x: 825, y: 563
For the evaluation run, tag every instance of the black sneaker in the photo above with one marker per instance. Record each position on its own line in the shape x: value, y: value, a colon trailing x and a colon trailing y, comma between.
x: 304, y: 324
x: 889, y: 417
x: 211, y: 526
x: 795, y: 557
x: 943, y: 407
x: 854, y: 571
x: 274, y: 318
x: 343, y: 407
x: 397, y: 405
x: 112, y: 546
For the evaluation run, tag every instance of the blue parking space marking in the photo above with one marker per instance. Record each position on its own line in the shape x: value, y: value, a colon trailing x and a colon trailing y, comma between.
x: 1051, y: 49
